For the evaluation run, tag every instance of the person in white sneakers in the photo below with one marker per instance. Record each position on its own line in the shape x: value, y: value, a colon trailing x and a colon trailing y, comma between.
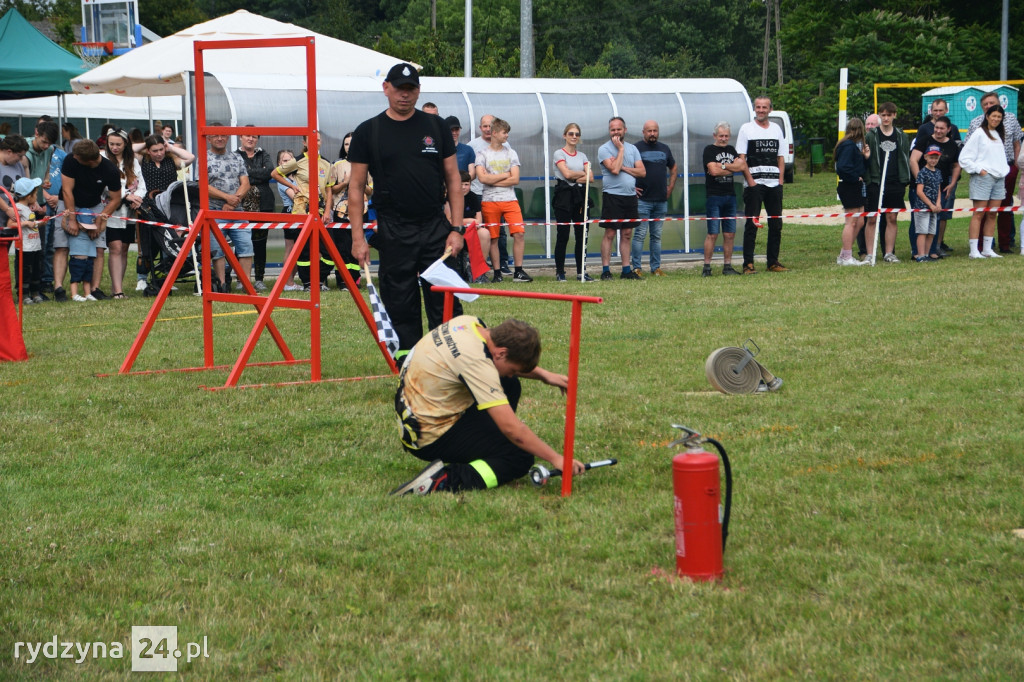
x: 893, y: 186
x: 1020, y: 165
x: 984, y: 158
x: 851, y: 156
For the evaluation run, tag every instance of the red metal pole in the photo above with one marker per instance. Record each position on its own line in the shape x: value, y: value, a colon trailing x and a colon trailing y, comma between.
x: 314, y: 289
x: 519, y: 294
x: 202, y: 175
x: 449, y: 306
x: 313, y: 144
x: 570, y: 402
x: 207, y: 279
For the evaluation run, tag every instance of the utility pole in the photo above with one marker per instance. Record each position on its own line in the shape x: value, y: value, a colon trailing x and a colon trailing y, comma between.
x: 1003, y: 40
x: 771, y: 6
x: 467, y: 60
x: 526, y: 69
x: 767, y: 43
x: 778, y: 41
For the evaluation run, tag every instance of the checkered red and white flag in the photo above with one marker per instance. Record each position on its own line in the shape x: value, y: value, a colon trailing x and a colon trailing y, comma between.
x: 385, y: 332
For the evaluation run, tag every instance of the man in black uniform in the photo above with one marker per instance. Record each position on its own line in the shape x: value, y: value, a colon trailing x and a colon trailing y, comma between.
x: 411, y: 157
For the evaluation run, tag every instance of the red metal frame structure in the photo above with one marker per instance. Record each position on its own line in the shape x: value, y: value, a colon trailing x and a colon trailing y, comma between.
x: 574, y: 356
x: 205, y: 225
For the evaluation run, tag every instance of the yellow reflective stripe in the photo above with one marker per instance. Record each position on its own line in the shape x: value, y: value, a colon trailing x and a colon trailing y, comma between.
x: 487, y: 406
x: 303, y: 263
x: 486, y: 473
x: 353, y: 266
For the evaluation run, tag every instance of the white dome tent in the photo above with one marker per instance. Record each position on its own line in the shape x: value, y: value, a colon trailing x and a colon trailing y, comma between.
x: 537, y: 109
x: 268, y: 90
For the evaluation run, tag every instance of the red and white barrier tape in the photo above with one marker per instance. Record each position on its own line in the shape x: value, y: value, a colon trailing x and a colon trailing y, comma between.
x: 598, y: 221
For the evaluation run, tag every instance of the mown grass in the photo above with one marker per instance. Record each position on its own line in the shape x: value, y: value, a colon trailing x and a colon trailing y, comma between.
x: 875, y: 499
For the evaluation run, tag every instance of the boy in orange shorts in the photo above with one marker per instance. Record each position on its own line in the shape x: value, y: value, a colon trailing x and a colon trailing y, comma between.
x: 497, y: 167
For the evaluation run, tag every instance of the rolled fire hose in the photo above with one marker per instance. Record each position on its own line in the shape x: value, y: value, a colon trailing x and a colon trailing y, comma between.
x: 734, y: 370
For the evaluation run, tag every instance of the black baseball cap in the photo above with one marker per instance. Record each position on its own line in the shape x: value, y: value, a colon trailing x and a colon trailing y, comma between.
x: 403, y: 74
x: 453, y: 122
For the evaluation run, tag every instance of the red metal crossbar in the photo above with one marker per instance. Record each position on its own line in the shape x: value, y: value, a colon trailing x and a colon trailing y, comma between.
x: 574, y: 356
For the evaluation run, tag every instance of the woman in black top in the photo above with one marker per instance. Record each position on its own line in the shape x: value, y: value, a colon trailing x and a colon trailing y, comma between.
x: 851, y: 156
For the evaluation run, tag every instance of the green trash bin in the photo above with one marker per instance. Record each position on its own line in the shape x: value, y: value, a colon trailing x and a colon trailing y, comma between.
x: 817, y: 153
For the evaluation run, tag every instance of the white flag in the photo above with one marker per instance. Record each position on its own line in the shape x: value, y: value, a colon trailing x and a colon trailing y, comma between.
x: 441, y: 275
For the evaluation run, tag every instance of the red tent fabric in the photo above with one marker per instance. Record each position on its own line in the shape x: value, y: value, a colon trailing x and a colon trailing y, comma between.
x: 12, y: 344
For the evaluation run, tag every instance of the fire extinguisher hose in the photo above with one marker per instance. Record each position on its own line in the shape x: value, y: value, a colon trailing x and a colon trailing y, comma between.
x: 728, y: 489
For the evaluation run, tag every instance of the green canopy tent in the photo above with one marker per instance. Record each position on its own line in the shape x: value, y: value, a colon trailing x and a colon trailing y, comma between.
x: 32, y: 65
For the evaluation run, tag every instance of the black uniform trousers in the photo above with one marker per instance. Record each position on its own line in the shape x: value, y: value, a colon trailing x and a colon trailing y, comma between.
x: 574, y: 216
x: 407, y: 247
x: 753, y: 198
x: 476, y: 453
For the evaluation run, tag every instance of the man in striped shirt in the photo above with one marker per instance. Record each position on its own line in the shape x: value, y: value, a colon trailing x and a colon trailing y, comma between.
x: 760, y: 146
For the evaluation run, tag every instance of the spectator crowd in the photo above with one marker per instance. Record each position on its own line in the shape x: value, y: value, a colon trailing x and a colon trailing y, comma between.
x: 76, y: 199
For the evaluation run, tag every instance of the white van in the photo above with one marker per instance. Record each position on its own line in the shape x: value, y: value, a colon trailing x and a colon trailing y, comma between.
x: 782, y: 119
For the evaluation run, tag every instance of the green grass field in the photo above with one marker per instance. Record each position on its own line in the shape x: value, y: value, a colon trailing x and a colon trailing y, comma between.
x: 875, y: 501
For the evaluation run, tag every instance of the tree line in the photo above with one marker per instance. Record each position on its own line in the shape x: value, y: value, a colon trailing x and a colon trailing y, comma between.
x: 878, y: 40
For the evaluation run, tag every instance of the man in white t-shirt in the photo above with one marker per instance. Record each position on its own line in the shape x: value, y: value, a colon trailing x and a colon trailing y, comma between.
x: 760, y: 146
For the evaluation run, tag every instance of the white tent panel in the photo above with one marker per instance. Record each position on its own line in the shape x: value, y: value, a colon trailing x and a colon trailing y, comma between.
x: 538, y: 109
x: 159, y: 68
x: 95, y: 106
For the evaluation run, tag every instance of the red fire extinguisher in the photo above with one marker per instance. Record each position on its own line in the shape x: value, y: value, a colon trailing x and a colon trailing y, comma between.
x: 702, y: 523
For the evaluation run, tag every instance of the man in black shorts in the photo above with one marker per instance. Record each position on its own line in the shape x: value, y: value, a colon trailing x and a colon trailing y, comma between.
x: 411, y: 157
x: 897, y: 177
x: 622, y: 165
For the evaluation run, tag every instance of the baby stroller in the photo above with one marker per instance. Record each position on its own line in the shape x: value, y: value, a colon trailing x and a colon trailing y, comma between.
x: 159, y: 246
